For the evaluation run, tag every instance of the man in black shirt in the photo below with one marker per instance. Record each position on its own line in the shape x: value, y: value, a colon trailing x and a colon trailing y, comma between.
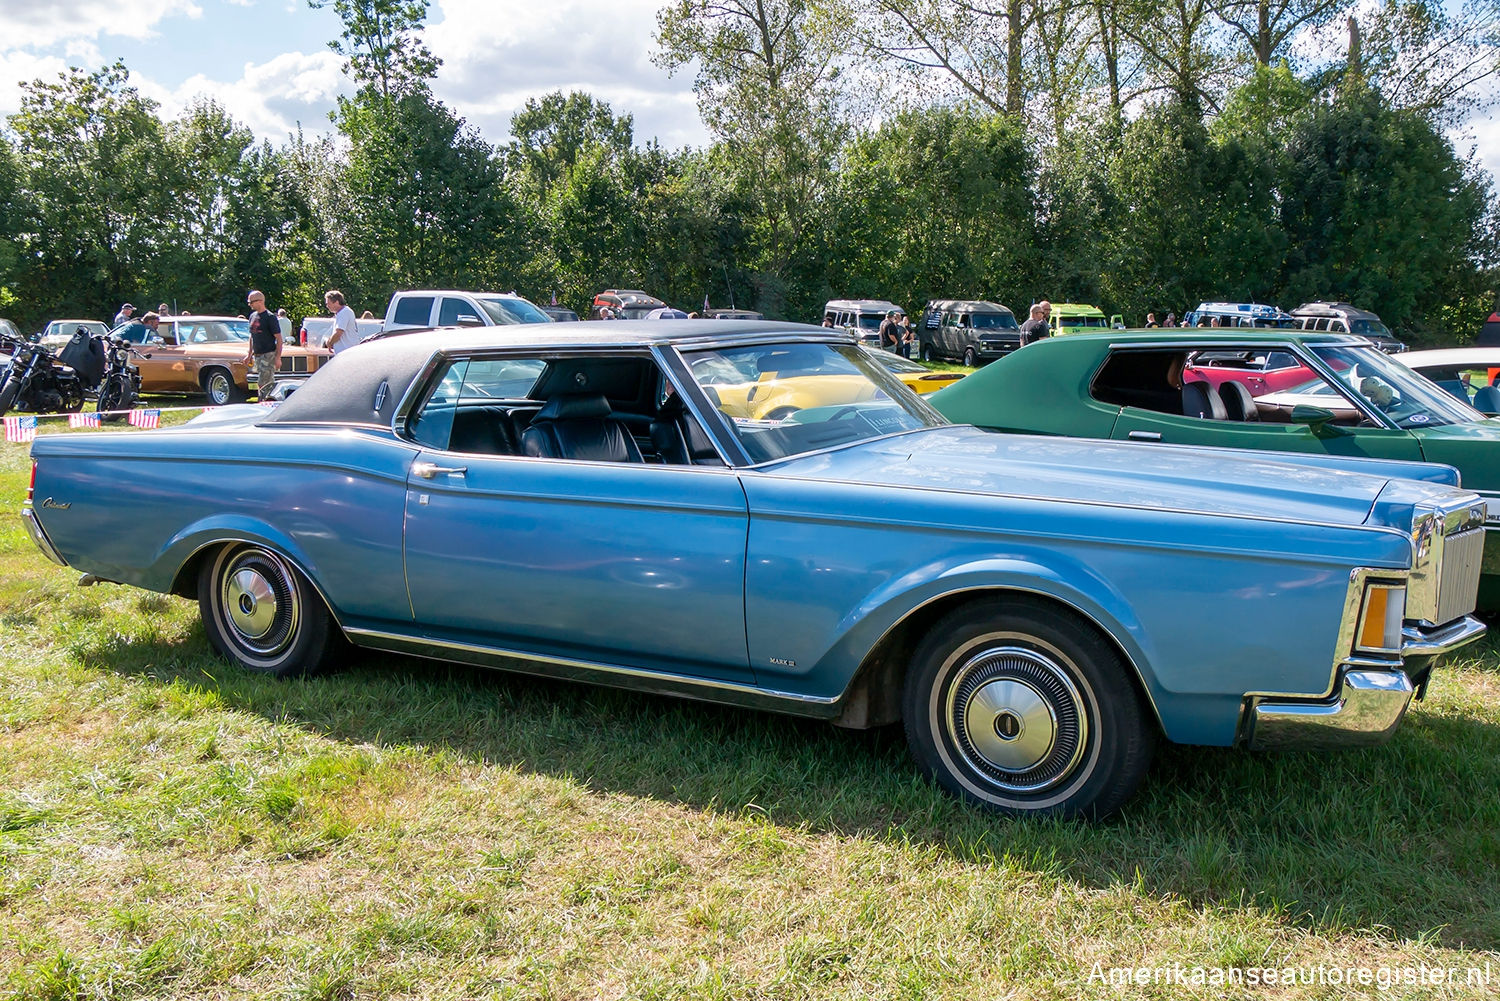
x: 891, y: 331
x: 264, y: 349
x: 1035, y: 328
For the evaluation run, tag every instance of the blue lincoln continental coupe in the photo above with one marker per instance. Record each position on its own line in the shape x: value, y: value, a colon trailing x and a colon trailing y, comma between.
x: 621, y: 503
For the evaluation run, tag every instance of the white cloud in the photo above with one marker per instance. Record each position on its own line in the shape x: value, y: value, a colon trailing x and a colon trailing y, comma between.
x: 25, y: 25
x: 496, y: 56
x: 17, y: 68
x: 270, y: 98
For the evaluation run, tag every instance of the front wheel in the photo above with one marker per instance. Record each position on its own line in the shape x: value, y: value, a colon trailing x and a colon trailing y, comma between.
x: 263, y: 615
x: 114, y: 395
x: 221, y: 388
x: 971, y: 357
x: 1020, y: 707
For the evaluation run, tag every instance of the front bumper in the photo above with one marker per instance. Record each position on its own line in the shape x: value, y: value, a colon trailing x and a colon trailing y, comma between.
x: 1367, y: 703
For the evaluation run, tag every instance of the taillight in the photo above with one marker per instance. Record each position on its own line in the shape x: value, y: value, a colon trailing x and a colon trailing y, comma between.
x: 31, y: 487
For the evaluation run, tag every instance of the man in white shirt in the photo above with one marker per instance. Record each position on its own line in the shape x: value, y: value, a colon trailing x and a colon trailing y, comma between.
x: 345, y: 326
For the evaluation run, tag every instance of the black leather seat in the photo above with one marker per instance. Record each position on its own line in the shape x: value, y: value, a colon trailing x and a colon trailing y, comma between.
x: 579, y: 426
x: 1199, y: 400
x: 678, y: 438
x: 483, y: 431
x: 1239, y: 405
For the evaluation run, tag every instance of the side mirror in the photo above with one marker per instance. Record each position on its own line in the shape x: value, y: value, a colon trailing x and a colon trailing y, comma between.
x: 469, y: 320
x: 1319, y: 420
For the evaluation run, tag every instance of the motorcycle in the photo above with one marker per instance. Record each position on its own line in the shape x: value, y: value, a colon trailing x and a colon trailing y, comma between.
x: 36, y: 382
x: 120, y: 385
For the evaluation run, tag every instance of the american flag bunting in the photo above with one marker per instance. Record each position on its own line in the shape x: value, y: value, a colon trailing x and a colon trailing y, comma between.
x: 84, y: 421
x: 20, y: 428
x: 145, y: 418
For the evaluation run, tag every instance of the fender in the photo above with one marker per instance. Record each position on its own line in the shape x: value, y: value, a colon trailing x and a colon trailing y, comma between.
x: 194, y: 538
x: 1061, y: 578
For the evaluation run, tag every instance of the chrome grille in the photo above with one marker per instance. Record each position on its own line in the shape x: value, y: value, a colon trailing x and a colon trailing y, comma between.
x: 1458, y: 584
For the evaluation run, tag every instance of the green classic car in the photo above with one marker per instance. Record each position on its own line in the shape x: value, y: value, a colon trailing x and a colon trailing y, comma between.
x: 1277, y: 390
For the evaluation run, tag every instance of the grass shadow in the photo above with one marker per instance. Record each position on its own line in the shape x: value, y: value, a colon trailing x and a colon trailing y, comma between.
x: 1404, y: 837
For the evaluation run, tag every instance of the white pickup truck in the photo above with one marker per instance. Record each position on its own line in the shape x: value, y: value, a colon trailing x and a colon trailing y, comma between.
x: 422, y: 309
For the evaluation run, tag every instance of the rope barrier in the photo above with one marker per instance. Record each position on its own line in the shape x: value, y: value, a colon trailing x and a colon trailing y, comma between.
x: 21, y: 428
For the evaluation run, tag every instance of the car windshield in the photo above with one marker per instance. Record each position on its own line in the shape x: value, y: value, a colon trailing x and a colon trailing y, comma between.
x: 1405, y: 397
x: 1083, y: 321
x: 212, y: 331
x: 1369, y: 328
x: 507, y: 310
x: 790, y: 399
x: 994, y: 321
x: 870, y: 321
x: 68, y: 328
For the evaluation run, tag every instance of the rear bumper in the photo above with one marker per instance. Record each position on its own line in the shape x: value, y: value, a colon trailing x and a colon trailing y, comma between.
x: 1367, y: 703
x: 39, y: 535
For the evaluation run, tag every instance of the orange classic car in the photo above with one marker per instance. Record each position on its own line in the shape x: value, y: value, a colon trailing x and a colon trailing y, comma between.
x: 206, y: 355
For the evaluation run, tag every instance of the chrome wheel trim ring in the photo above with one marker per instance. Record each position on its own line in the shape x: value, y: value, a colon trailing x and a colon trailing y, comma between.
x: 218, y: 388
x: 995, y: 696
x: 258, y: 603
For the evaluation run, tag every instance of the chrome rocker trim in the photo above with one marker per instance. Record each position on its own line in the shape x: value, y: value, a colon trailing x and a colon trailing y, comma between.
x: 39, y: 535
x: 1368, y: 703
x: 595, y: 672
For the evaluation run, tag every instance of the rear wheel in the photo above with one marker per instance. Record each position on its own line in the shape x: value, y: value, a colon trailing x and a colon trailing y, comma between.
x: 971, y: 357
x: 926, y: 352
x: 1020, y: 707
x: 263, y: 615
x: 221, y: 388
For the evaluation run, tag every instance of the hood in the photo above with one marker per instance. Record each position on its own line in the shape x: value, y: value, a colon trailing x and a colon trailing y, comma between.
x: 1216, y: 481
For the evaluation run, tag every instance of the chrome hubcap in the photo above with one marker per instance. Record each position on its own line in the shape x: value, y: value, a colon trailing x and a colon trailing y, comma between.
x: 1010, y: 724
x: 258, y: 603
x: 1016, y: 717
x: 251, y: 603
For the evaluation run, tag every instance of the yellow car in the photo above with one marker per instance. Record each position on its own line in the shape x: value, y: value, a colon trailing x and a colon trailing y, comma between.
x: 918, y: 378
x: 788, y: 379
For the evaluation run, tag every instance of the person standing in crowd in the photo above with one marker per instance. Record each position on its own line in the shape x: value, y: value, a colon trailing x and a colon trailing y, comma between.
x: 264, y: 350
x: 1171, y: 320
x: 1035, y: 327
x: 345, y: 327
x: 828, y: 321
x: 126, y: 313
x: 1151, y: 320
x: 285, y: 323
x: 163, y: 310
x: 142, y: 330
x: 908, y: 333
x: 890, y: 331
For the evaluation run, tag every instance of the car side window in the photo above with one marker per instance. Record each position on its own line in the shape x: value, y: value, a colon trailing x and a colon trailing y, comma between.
x: 581, y: 407
x: 456, y: 313
x: 414, y: 310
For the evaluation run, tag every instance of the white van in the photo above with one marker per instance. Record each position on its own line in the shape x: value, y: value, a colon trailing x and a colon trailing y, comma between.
x: 861, y: 317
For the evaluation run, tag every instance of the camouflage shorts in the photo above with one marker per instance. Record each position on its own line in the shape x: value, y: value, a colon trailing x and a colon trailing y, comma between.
x: 265, y: 373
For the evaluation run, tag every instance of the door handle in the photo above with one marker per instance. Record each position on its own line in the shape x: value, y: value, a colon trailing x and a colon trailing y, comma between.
x: 1145, y: 436
x: 428, y: 470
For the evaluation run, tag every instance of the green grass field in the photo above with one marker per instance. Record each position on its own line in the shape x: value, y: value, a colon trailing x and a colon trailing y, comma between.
x: 171, y: 827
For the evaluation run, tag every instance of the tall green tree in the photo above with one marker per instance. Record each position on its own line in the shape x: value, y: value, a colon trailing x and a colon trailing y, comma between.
x: 937, y: 203
x: 89, y: 146
x: 382, y: 44
x: 767, y: 86
x: 1377, y: 209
